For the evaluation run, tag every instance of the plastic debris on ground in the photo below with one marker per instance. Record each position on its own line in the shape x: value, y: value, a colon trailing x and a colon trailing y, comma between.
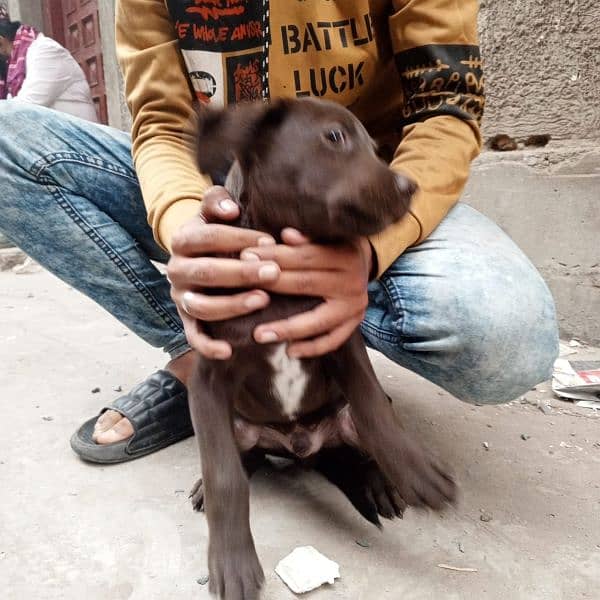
x: 577, y: 380
x: 566, y: 349
x: 574, y: 379
x: 306, y: 569
x: 27, y: 267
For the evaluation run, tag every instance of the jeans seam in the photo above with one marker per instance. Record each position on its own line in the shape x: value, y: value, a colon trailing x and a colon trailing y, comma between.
x: 39, y: 168
x: 381, y: 334
x: 396, y: 302
x: 177, y: 349
x: 46, y: 180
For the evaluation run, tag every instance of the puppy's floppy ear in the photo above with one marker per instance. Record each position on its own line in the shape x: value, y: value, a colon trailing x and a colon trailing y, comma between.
x: 234, y: 133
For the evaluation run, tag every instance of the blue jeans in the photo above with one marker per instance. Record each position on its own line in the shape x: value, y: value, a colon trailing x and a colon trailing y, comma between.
x: 465, y: 309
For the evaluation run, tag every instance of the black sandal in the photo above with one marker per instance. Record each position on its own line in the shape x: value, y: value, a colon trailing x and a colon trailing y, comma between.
x: 158, y: 411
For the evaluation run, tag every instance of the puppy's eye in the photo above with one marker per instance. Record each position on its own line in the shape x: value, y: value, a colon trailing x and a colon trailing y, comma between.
x: 335, y: 136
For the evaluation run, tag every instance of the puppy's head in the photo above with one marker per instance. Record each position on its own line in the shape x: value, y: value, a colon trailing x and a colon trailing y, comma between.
x: 308, y: 164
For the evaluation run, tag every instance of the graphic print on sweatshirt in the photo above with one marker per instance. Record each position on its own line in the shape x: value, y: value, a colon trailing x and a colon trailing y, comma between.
x: 238, y: 50
x: 223, y: 46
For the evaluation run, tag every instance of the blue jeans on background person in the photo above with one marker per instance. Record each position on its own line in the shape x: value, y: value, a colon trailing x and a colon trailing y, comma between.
x: 465, y: 309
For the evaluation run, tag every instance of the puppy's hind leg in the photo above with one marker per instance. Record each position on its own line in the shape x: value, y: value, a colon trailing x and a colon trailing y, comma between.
x: 420, y: 479
x: 362, y: 482
x: 251, y: 461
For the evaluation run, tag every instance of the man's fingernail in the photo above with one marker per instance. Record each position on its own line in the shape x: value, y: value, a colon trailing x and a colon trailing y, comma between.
x: 185, y: 301
x: 266, y: 337
x: 245, y: 255
x: 265, y: 241
x: 268, y: 272
x: 292, y: 231
x: 254, y: 301
x: 227, y: 205
x: 222, y: 353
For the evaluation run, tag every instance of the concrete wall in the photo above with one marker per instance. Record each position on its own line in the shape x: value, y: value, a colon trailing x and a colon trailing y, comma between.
x: 552, y: 213
x: 543, y: 77
x: 26, y: 11
x: 543, y: 67
x: 118, y: 114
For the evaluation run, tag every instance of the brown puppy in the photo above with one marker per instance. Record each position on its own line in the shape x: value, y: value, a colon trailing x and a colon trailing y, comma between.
x: 311, y: 165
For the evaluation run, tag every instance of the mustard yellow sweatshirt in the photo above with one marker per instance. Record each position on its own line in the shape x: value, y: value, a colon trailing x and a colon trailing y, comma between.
x: 410, y: 70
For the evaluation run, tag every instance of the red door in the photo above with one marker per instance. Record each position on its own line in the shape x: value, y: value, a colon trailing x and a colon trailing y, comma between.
x: 75, y: 25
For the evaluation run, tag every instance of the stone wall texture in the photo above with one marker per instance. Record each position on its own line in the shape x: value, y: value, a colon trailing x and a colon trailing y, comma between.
x: 543, y: 67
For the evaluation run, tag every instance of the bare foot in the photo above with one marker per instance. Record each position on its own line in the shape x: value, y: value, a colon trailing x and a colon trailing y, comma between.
x: 112, y: 427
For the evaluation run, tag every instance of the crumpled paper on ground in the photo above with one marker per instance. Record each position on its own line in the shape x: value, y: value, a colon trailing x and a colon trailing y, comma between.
x: 306, y: 569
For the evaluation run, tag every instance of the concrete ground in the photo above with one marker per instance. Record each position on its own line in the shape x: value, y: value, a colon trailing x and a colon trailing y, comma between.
x: 70, y: 530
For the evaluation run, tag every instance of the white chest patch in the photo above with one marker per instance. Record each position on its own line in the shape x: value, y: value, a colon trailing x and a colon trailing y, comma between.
x: 289, y: 380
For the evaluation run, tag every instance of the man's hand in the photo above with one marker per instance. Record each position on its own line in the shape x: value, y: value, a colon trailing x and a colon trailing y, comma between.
x: 193, y: 266
x: 339, y: 274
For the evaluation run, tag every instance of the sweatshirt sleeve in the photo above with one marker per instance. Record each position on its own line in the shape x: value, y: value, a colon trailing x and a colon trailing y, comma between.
x: 436, y: 51
x: 161, y: 103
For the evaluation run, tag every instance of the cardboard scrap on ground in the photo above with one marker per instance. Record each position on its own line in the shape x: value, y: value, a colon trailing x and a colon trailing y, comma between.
x: 306, y: 569
x: 577, y: 380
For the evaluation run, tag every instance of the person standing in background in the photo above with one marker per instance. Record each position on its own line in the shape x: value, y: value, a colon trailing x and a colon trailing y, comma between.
x: 39, y: 70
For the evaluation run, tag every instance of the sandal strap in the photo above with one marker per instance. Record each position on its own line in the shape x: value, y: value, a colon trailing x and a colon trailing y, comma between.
x: 158, y: 411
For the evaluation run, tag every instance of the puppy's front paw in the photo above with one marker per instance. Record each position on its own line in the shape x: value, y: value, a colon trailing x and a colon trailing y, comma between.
x: 197, y: 496
x: 235, y: 575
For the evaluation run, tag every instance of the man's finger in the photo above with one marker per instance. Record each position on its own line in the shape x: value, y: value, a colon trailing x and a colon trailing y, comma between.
x: 293, y: 237
x: 196, y: 237
x: 326, y: 343
x: 317, y: 283
x: 322, y: 319
x: 307, y: 256
x: 197, y: 339
x: 217, y: 308
x: 217, y: 205
x: 207, y: 271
